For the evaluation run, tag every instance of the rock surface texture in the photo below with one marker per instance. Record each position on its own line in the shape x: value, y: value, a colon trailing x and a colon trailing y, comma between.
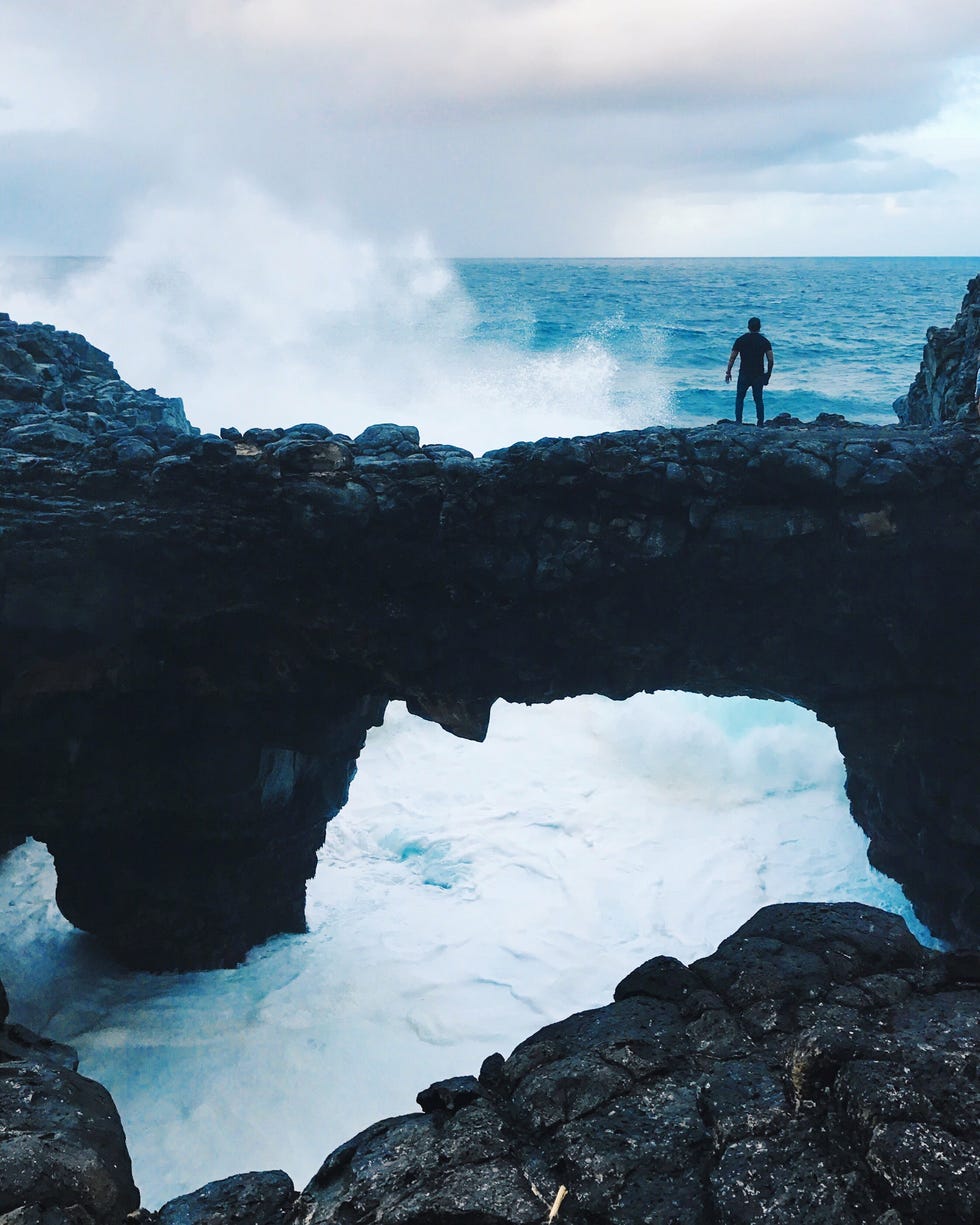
x: 63, y: 1155
x: 820, y: 1067
x: 943, y: 388
x: 197, y: 632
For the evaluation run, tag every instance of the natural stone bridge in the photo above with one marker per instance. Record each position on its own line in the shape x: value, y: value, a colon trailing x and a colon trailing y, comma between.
x: 198, y: 632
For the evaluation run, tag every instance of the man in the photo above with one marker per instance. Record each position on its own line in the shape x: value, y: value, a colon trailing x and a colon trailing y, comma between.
x: 754, y: 368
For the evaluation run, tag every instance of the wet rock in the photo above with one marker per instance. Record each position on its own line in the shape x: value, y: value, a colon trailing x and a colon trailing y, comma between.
x: 245, y: 1199
x: 18, y: 1042
x: 20, y: 390
x: 36, y: 1215
x: 134, y: 452
x: 213, y: 450
x: 61, y: 1145
x: 640, y: 1119
x: 448, y: 1096
x: 308, y: 429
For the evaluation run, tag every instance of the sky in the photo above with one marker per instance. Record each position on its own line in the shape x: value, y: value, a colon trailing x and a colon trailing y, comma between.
x: 502, y: 127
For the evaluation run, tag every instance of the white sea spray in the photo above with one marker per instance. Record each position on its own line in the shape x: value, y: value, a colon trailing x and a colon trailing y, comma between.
x: 467, y: 895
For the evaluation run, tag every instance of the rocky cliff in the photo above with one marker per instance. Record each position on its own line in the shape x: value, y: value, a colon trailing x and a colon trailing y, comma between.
x: 197, y: 632
x: 943, y: 388
x: 820, y: 1067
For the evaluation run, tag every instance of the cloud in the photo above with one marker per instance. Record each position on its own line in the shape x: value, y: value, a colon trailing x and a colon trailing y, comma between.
x: 481, y: 50
x: 501, y: 126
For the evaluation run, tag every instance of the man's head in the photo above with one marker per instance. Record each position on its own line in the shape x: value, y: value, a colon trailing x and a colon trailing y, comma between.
x: 755, y: 325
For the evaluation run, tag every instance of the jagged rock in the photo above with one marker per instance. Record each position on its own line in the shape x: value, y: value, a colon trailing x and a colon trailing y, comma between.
x: 943, y: 388
x: 63, y: 1156
x: 299, y: 453
x: 820, y: 1067
x: 194, y: 648
x: 12, y: 387
x: 245, y: 1199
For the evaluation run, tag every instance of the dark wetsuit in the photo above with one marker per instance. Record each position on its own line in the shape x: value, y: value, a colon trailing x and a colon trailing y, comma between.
x: 751, y: 348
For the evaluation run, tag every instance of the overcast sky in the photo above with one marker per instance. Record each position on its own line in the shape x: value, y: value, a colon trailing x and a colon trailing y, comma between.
x: 504, y: 127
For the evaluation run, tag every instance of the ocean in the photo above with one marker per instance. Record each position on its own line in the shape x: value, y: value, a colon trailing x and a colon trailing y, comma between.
x: 468, y: 894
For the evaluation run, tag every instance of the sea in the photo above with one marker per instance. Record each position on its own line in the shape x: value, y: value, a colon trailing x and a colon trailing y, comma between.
x: 468, y: 894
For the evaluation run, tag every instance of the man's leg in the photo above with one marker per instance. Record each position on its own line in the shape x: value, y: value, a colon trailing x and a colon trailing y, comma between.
x: 740, y: 390
x: 760, y: 411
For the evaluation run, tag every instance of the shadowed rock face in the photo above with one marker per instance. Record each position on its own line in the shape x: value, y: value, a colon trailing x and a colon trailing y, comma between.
x: 198, y: 632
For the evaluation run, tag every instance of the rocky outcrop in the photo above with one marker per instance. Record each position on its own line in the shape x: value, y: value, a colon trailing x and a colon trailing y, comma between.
x: 198, y: 631
x: 265, y: 1198
x: 819, y: 1067
x: 63, y: 1156
x: 943, y: 388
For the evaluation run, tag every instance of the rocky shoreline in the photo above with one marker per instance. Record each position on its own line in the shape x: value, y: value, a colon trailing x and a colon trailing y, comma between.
x: 246, y: 606
x: 198, y: 632
x: 821, y: 1066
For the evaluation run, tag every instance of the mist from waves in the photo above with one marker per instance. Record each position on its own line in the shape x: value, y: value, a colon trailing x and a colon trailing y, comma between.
x: 257, y: 316
x: 467, y: 895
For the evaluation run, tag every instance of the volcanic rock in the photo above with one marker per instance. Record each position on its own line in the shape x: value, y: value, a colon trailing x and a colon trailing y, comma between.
x: 820, y: 1067
x: 198, y: 631
x: 63, y: 1156
x: 943, y: 388
x: 245, y: 1199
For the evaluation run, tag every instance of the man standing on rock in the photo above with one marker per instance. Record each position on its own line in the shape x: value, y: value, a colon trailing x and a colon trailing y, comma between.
x: 754, y: 369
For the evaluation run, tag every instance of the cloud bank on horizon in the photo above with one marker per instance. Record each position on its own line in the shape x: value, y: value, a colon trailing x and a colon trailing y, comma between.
x: 504, y: 127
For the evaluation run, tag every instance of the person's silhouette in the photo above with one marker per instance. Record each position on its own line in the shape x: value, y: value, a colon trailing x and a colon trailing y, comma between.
x: 754, y: 369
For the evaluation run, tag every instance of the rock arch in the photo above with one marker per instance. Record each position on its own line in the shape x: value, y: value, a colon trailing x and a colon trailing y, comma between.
x: 197, y: 632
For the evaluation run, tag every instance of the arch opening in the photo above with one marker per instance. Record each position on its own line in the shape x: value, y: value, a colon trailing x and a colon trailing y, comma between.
x: 467, y: 894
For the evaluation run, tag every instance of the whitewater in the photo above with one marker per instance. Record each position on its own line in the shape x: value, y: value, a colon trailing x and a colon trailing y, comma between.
x: 467, y: 894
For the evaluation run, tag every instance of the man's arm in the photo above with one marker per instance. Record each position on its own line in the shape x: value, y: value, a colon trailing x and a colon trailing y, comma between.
x: 770, y: 362
x: 731, y: 362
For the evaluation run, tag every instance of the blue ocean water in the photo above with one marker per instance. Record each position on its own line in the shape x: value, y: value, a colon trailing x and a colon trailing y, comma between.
x: 847, y: 333
x: 483, y: 353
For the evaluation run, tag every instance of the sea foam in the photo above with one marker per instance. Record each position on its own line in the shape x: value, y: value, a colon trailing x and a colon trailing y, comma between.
x: 467, y: 895
x: 258, y: 316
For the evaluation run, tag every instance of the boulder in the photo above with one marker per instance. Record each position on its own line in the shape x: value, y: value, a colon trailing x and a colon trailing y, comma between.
x: 818, y: 1068
x: 61, y: 1145
x: 247, y: 1199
